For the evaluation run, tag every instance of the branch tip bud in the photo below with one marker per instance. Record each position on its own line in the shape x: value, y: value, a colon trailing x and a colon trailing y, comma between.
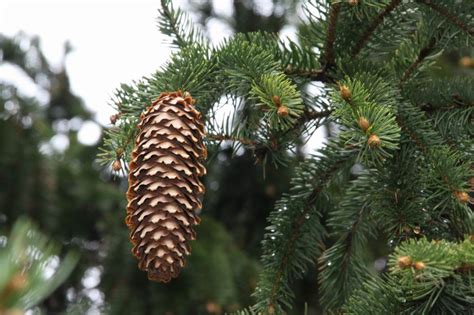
x: 461, y: 196
x: 419, y: 265
x: 346, y: 94
x: 363, y: 123
x: 276, y: 100
x: 404, y: 262
x: 116, y: 166
x: 282, y: 111
x: 374, y: 141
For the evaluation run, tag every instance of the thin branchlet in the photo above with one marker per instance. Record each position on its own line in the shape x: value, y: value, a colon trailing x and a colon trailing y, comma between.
x: 331, y: 35
x: 424, y: 52
x: 167, y: 14
x: 312, y: 115
x: 373, y: 26
x: 223, y: 137
x: 448, y: 15
x: 319, y: 75
x: 323, y: 179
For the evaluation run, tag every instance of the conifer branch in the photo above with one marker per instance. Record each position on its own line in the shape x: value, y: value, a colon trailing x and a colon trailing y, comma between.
x: 222, y: 137
x: 430, y: 108
x: 265, y: 80
x: 319, y: 75
x: 373, y: 26
x: 173, y: 23
x: 331, y: 35
x: 424, y: 52
x: 311, y: 115
x: 433, y: 147
x: 448, y: 15
x: 429, y: 271
x: 412, y: 135
x: 340, y: 270
x: 178, y: 25
x: 322, y: 180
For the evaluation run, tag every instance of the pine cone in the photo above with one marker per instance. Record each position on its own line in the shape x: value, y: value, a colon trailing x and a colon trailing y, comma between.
x: 164, y: 187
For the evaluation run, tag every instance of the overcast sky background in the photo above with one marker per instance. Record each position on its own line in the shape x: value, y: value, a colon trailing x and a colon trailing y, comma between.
x: 113, y: 41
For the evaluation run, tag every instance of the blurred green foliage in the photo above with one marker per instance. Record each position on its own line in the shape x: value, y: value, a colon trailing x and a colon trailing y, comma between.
x: 31, y: 268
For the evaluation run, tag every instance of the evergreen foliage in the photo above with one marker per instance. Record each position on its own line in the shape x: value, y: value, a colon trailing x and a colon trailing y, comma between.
x: 31, y: 268
x: 402, y: 150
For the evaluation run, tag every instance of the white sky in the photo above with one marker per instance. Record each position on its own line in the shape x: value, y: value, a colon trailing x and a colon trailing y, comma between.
x: 114, y: 41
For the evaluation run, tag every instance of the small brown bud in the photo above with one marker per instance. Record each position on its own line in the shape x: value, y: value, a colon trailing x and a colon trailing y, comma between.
x: 461, y: 196
x: 276, y: 100
x: 419, y: 265
x: 466, y: 62
x: 116, y: 166
x: 404, y: 262
x: 363, y: 123
x: 113, y: 118
x: 119, y: 153
x: 282, y: 111
x: 18, y: 282
x: 353, y: 2
x: 374, y: 141
x: 346, y: 94
x: 213, y: 308
x: 271, y: 309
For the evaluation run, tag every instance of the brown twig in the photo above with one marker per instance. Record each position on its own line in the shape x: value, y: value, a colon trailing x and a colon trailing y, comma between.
x: 448, y: 15
x: 296, y: 228
x: 465, y: 268
x: 419, y: 143
x: 312, y: 74
x: 424, y: 52
x: 373, y: 26
x: 331, y: 36
x: 244, y: 141
x: 429, y: 108
x: 311, y: 115
x: 411, y: 134
x: 321, y: 74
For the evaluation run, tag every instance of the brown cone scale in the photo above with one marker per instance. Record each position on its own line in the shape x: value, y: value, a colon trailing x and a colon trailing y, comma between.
x: 164, y: 194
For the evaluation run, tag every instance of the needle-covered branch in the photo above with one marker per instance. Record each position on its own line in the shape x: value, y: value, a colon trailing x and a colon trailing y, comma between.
x: 294, y: 235
x: 400, y: 145
x: 392, y: 5
x: 423, y: 276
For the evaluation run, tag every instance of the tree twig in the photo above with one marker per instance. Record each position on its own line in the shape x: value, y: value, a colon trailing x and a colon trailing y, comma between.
x: 321, y: 74
x: 424, y: 52
x: 217, y: 137
x: 296, y: 228
x: 312, y: 74
x: 373, y: 26
x: 331, y: 35
x: 456, y: 104
x: 448, y: 15
x: 311, y: 115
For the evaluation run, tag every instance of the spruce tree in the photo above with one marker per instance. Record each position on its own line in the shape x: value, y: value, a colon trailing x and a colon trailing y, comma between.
x: 396, y: 167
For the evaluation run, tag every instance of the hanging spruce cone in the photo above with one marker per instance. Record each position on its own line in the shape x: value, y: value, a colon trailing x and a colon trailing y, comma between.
x: 164, y: 187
